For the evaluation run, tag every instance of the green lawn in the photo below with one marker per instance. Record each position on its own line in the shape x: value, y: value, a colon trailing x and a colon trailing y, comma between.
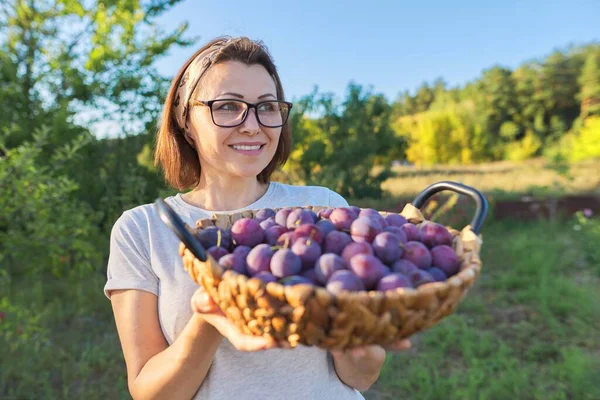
x: 528, y: 329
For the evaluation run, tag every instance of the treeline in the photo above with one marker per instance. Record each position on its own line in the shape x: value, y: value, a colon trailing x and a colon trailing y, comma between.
x: 547, y: 108
x: 505, y: 114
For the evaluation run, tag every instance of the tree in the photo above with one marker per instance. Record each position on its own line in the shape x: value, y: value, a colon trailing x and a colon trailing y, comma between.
x: 404, y: 105
x: 85, y: 61
x: 444, y: 136
x: 340, y: 147
x: 589, y: 80
x: 557, y: 92
x: 44, y: 228
x: 586, y: 143
x: 424, y: 97
x: 526, y: 79
x: 66, y: 65
x: 496, y: 103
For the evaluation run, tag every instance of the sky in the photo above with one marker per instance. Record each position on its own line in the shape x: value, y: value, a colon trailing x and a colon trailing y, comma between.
x: 388, y: 46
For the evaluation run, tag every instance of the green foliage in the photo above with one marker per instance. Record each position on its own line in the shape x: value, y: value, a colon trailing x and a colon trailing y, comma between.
x: 586, y: 143
x: 341, y: 145
x: 523, y: 149
x: 448, y: 136
x: 589, y: 80
x: 43, y: 226
x: 90, y: 59
x: 506, y: 115
x: 66, y: 65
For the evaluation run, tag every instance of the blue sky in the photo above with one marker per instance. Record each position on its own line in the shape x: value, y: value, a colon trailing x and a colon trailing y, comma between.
x: 389, y: 45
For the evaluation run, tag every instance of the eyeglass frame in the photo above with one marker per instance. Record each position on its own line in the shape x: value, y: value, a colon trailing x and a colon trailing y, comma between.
x: 249, y: 106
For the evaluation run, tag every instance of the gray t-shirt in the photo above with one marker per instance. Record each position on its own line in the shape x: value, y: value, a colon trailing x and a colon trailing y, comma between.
x: 144, y: 256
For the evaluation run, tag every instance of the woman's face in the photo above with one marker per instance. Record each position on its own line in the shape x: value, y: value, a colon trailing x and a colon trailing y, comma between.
x: 244, y: 150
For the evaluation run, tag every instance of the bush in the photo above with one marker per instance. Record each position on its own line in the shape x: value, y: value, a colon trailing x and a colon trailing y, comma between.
x: 43, y: 227
x: 586, y: 144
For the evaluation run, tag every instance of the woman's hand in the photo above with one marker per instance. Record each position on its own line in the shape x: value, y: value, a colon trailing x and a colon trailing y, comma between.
x: 203, y: 304
x: 361, y: 351
x: 359, y: 367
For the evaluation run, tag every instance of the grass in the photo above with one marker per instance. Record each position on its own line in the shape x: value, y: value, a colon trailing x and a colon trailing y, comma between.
x: 528, y: 329
x: 505, y: 179
x: 62, y: 342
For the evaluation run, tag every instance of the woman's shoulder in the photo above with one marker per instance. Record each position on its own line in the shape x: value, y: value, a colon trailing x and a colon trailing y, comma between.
x: 300, y: 195
x: 136, y: 219
x: 140, y: 218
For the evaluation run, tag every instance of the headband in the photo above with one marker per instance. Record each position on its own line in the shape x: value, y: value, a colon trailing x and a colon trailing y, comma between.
x: 190, y: 78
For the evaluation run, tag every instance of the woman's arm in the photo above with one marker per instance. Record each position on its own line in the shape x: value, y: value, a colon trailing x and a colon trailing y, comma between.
x: 156, y: 370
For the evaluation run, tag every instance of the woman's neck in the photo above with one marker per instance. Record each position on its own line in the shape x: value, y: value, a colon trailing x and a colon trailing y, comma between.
x: 225, y: 193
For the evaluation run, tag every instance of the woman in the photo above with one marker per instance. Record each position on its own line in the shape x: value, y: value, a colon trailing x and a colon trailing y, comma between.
x: 223, y: 134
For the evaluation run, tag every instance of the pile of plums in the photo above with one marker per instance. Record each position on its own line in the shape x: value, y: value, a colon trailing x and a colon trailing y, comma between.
x: 346, y: 248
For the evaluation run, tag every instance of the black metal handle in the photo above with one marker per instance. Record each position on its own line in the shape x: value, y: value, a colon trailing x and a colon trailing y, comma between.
x: 180, y: 228
x: 477, y: 196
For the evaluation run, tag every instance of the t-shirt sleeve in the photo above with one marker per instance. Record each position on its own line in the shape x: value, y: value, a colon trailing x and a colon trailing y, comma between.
x: 336, y: 200
x: 129, y: 262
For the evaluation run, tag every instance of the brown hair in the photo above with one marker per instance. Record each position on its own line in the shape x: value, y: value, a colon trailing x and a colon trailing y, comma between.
x: 177, y: 158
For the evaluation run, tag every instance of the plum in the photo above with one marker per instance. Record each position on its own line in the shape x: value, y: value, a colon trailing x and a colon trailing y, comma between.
x: 438, y: 274
x: 418, y: 254
x: 393, y: 281
x: 354, y: 248
x: 404, y: 267
x: 395, y: 220
x: 386, y: 246
x: 265, y: 276
x: 344, y: 280
x: 217, y: 252
x: 342, y: 218
x: 299, y: 216
x: 247, y: 232
x: 285, y: 263
x: 326, y: 265
x: 273, y: 233
x: 411, y: 231
x: 234, y: 262
x: 445, y: 258
x: 259, y: 259
x: 368, y: 268
x: 265, y: 213
x: 364, y: 229
x: 336, y: 241
x: 399, y: 232
x: 433, y: 234
x: 308, y: 250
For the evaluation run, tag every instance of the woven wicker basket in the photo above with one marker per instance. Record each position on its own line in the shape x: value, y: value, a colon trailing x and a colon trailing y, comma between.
x: 312, y: 316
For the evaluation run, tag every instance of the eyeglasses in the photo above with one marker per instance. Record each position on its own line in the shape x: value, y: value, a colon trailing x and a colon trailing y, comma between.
x: 228, y: 113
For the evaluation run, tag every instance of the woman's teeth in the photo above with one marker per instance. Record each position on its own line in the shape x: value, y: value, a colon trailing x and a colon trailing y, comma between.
x: 243, y: 147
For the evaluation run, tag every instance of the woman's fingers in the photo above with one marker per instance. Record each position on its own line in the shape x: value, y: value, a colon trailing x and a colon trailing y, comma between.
x: 238, y: 339
x: 203, y: 303
x: 400, y: 345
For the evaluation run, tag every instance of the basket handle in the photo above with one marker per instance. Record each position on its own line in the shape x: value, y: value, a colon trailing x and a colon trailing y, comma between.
x: 180, y: 228
x: 480, y: 201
